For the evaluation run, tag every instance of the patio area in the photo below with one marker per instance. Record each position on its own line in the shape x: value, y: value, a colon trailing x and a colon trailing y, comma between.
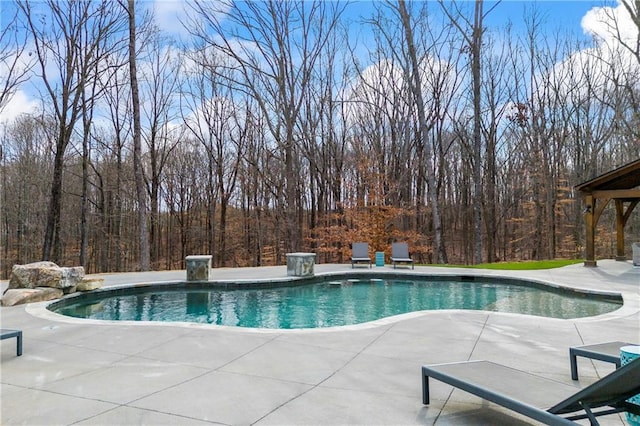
x: 83, y: 373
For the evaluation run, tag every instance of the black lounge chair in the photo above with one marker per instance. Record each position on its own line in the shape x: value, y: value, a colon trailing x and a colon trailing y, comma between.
x: 607, y: 352
x: 538, y: 397
x: 6, y: 333
x: 360, y: 254
x: 400, y: 254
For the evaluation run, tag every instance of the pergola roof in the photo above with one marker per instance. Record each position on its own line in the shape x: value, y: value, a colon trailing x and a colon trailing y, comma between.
x: 624, y: 177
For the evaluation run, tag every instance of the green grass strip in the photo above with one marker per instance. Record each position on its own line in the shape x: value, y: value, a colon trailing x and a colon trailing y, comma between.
x: 520, y: 266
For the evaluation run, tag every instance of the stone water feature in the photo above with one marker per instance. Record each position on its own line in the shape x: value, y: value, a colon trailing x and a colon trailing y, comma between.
x: 198, y: 267
x: 300, y: 264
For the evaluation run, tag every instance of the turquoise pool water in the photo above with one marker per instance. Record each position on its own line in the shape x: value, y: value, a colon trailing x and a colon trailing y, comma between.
x: 328, y: 303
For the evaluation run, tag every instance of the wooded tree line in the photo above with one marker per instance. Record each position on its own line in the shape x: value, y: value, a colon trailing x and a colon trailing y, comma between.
x: 276, y: 129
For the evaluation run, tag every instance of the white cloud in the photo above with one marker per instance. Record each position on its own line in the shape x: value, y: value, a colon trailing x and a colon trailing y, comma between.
x: 169, y: 16
x: 383, y: 86
x: 172, y: 16
x: 20, y: 103
x: 614, y: 31
x: 588, y: 74
x: 608, y: 24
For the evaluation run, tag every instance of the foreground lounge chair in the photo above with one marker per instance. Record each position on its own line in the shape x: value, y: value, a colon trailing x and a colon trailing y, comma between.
x: 538, y: 397
x: 607, y: 352
x: 360, y: 254
x: 400, y: 254
x: 6, y: 333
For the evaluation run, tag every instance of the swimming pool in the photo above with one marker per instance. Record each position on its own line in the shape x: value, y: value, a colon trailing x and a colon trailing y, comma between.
x: 329, y: 301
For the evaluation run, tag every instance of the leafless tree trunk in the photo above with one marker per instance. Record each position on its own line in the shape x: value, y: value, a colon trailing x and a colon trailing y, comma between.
x: 111, y: 172
x: 424, y: 129
x: 143, y: 231
x: 160, y: 85
x: 495, y: 101
x: 476, y: 70
x: 474, y: 41
x: 86, y: 124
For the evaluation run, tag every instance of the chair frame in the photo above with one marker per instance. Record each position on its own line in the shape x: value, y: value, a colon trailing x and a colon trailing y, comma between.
x: 6, y: 333
x: 598, y: 395
x: 607, y: 352
x: 357, y: 251
x: 400, y: 254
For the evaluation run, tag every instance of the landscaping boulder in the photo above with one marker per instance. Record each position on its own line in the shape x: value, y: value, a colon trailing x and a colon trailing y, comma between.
x: 45, y: 274
x: 89, y: 284
x: 19, y: 296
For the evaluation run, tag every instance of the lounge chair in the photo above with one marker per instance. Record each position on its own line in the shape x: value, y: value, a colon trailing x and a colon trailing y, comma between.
x: 607, y: 352
x: 360, y: 254
x: 400, y: 254
x: 6, y: 333
x: 538, y: 397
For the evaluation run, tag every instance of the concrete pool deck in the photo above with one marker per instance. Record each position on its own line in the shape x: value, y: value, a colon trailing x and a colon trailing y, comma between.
x: 85, y: 373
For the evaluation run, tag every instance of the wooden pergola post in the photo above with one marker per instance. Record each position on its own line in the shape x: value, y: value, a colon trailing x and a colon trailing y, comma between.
x: 620, y: 222
x: 590, y: 255
x: 617, y: 185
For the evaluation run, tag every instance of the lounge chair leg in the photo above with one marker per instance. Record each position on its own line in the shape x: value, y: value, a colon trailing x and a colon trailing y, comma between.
x: 574, y: 364
x: 592, y: 418
x: 425, y: 388
x: 10, y: 334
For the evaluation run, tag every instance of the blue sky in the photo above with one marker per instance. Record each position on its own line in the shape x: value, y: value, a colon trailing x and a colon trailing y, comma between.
x: 566, y: 16
x: 558, y: 13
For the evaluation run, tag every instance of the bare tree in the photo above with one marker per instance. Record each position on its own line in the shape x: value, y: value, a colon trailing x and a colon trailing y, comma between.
x: 143, y: 232
x: 424, y: 128
x: 473, y: 35
x: 160, y: 85
x: 615, y: 26
x: 495, y: 100
x: 25, y: 175
x: 111, y: 143
x: 326, y: 146
x: 183, y: 194
x: 617, y: 55
x: 92, y: 94
x: 274, y: 47
x: 69, y: 41
x: 220, y: 124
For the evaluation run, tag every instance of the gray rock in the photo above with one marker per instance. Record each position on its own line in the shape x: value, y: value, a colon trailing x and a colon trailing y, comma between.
x: 18, y: 296
x: 25, y: 276
x: 45, y: 274
x: 89, y: 284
